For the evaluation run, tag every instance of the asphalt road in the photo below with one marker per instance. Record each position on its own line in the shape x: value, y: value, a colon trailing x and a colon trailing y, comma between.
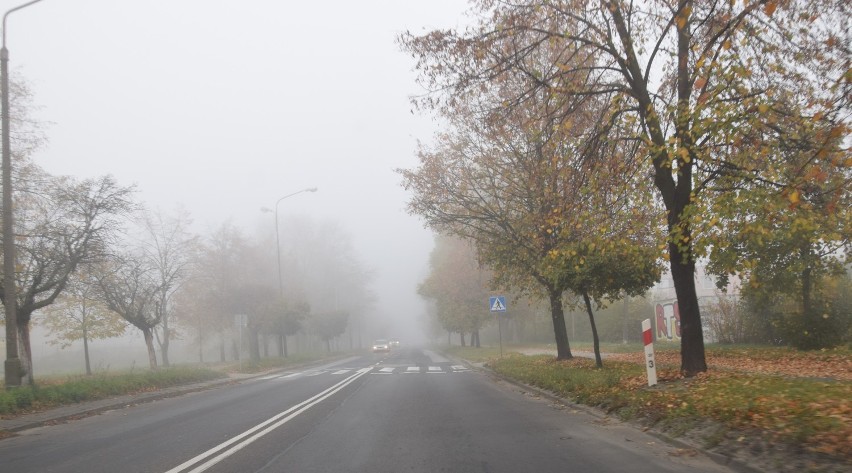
x: 407, y: 411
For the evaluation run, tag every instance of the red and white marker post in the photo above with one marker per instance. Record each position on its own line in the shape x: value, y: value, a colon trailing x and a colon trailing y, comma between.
x: 650, y: 365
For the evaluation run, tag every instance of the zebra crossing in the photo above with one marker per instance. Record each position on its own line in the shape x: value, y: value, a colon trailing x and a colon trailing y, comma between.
x: 378, y: 370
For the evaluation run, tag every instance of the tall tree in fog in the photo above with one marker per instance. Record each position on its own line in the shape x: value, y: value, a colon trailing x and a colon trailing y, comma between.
x: 130, y: 286
x: 458, y: 285
x: 61, y: 224
x: 261, y: 303
x: 287, y: 319
x: 322, y: 269
x: 216, y: 277
x: 520, y: 182
x: 169, y: 247
x: 329, y: 325
x: 704, y: 86
x: 79, y: 314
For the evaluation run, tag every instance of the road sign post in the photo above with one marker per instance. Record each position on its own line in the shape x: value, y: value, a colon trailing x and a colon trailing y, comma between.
x: 498, y: 304
x: 650, y: 364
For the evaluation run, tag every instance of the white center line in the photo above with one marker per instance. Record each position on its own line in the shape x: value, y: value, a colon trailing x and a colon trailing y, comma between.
x: 253, y: 434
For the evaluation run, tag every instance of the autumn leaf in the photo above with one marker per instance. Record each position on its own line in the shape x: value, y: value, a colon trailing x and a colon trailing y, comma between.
x: 769, y: 8
x: 794, y: 197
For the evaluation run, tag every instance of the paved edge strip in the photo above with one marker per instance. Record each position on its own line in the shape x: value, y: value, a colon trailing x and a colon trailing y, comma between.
x: 718, y: 458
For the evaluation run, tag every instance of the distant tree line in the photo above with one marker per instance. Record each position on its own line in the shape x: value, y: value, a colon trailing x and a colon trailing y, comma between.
x: 92, y: 263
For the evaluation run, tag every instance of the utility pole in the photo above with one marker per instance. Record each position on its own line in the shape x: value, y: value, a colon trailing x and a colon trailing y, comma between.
x: 12, y: 366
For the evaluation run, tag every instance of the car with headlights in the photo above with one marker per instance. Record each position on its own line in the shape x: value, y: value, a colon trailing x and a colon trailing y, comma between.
x: 381, y: 345
x: 394, y: 343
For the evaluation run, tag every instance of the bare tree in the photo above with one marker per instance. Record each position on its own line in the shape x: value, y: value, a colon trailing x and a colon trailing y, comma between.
x: 131, y: 288
x: 168, y: 246
x: 61, y: 224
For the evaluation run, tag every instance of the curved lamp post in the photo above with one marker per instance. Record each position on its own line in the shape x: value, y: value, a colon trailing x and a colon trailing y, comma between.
x: 277, y: 238
x: 12, y: 365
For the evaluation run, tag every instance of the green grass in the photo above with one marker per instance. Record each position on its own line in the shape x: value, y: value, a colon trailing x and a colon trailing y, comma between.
x: 58, y: 391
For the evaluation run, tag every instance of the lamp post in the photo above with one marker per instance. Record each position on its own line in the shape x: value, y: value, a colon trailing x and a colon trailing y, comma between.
x: 277, y: 237
x: 12, y: 365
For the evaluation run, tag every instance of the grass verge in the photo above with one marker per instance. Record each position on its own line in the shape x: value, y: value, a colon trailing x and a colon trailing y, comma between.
x: 265, y: 364
x: 59, y: 391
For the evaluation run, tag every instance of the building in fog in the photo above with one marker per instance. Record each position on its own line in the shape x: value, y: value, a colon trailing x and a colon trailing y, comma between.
x: 666, y: 317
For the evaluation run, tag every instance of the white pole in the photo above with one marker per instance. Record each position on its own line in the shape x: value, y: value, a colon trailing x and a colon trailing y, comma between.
x: 650, y: 364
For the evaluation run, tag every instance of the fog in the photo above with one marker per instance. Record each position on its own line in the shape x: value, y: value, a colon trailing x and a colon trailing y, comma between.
x: 223, y: 107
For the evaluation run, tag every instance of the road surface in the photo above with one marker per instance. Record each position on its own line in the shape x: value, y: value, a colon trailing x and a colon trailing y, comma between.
x: 410, y: 410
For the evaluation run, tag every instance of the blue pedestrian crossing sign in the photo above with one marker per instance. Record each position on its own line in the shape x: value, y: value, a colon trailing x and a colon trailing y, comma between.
x: 497, y: 303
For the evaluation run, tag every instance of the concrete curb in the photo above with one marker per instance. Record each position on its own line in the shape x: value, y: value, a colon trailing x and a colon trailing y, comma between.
x: 716, y: 457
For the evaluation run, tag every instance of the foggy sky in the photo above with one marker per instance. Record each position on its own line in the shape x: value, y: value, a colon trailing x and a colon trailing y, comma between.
x: 225, y: 106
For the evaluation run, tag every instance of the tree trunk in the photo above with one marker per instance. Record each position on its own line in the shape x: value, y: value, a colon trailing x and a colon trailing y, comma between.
x: 676, y: 195
x: 254, y: 345
x: 560, y: 332
x: 807, y: 284
x: 595, y: 340
x: 149, y: 343
x: 265, y: 340
x: 692, y: 360
x: 26, y: 353
x: 200, y: 346
x: 200, y: 349
x: 86, y: 351
x: 222, y: 352
x: 474, y: 339
x: 461, y: 336
x: 164, y: 345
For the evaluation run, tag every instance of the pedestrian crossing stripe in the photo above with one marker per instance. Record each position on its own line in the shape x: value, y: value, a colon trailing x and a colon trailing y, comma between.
x: 384, y: 370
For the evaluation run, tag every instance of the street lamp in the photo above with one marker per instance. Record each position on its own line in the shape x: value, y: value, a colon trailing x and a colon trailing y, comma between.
x: 277, y: 238
x: 12, y: 365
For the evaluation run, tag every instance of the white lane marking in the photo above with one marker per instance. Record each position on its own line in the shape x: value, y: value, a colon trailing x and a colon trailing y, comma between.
x: 459, y: 368
x: 413, y: 369
x: 386, y: 370
x: 276, y: 422
x: 341, y: 371
x: 278, y: 376
x: 435, y: 369
x: 313, y: 373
